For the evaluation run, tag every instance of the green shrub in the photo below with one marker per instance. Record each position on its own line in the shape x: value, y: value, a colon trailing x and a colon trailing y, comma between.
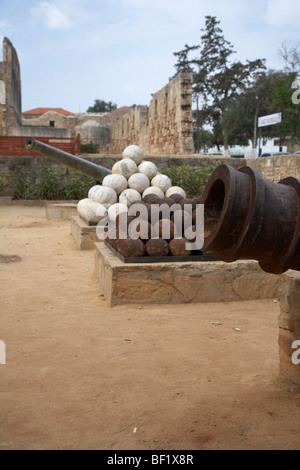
x: 24, y: 187
x: 3, y: 179
x: 50, y: 185
x: 76, y: 186
x: 191, y: 179
x: 89, y: 148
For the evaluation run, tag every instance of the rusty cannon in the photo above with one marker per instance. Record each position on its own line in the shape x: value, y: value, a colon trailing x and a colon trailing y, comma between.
x: 252, y: 218
x: 88, y: 168
x: 245, y: 215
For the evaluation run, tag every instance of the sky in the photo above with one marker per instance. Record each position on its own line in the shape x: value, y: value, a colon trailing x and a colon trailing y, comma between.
x: 72, y: 52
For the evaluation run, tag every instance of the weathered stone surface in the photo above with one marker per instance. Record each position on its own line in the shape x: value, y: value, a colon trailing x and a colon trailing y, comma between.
x: 84, y: 235
x: 165, y: 127
x: 180, y: 282
x: 289, y: 324
x: 10, y: 98
x: 64, y: 211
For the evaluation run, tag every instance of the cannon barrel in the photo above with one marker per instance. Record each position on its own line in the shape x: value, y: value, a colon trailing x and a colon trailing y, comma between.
x: 88, y: 168
x: 253, y: 218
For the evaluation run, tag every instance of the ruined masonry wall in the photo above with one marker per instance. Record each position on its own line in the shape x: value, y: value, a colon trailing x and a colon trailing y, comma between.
x: 165, y: 128
x: 276, y: 168
x: 10, y: 90
x: 289, y: 325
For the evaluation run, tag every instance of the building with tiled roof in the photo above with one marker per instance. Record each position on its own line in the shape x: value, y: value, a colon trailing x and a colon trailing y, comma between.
x: 37, y: 112
x: 120, y: 112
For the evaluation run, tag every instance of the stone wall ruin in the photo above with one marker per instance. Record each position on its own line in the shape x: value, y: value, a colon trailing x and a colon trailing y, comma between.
x: 163, y: 128
x: 10, y: 90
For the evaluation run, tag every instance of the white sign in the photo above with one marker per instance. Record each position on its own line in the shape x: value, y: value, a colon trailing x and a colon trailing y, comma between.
x: 270, y: 120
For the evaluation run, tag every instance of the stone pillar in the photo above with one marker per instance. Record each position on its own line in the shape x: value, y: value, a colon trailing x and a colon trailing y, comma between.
x: 289, y: 325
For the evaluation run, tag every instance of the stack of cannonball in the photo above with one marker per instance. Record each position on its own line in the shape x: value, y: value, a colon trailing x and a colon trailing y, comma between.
x: 131, y: 180
x: 163, y: 238
x: 135, y: 181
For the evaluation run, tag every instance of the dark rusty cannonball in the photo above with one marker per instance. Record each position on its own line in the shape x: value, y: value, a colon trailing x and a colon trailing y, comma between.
x: 167, y: 200
x: 151, y: 199
x: 114, y: 235
x: 178, y: 247
x: 123, y: 219
x: 187, y: 201
x: 140, y: 213
x: 164, y: 228
x: 190, y: 233
x: 198, y: 200
x: 142, y: 228
x: 182, y: 220
x: 176, y: 198
x: 157, y: 247
x: 194, y: 217
x: 131, y: 248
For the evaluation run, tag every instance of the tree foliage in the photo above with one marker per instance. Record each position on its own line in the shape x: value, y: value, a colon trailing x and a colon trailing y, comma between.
x: 101, y: 106
x: 289, y: 52
x: 218, y: 79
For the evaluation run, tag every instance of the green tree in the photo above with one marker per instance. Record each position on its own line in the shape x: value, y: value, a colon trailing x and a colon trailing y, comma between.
x: 217, y: 77
x: 240, y: 117
x: 289, y: 128
x: 101, y: 106
x: 289, y: 53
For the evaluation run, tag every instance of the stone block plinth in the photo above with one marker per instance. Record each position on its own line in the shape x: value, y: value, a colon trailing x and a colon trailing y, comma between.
x: 84, y: 235
x: 63, y: 211
x: 180, y: 282
x: 289, y: 325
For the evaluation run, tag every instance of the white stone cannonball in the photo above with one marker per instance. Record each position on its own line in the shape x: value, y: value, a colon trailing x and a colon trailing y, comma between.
x: 149, y: 169
x: 139, y: 182
x: 125, y: 167
x: 129, y: 196
x: 91, y: 211
x: 117, y: 182
x: 175, y: 190
x: 93, y: 190
x: 105, y: 195
x: 153, y: 190
x: 133, y: 152
x: 161, y: 181
x: 115, y: 210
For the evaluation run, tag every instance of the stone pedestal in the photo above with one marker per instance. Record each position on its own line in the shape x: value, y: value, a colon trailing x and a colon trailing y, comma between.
x: 84, y: 235
x: 289, y: 325
x: 180, y: 282
x: 61, y: 211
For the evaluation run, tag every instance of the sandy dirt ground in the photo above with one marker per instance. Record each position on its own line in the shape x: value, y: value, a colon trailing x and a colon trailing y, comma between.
x: 81, y: 375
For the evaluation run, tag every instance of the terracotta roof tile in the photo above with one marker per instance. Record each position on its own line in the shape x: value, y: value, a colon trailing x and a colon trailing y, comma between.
x: 40, y: 111
x: 120, y: 112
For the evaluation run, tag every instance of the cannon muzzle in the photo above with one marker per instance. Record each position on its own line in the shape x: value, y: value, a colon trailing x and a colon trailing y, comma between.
x: 253, y: 218
x: 88, y: 168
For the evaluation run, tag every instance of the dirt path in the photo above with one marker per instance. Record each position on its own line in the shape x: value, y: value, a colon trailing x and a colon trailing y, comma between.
x: 80, y: 375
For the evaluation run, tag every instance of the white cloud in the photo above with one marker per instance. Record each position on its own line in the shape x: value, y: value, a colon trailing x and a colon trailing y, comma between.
x: 5, y: 28
x: 283, y: 12
x: 51, y: 15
